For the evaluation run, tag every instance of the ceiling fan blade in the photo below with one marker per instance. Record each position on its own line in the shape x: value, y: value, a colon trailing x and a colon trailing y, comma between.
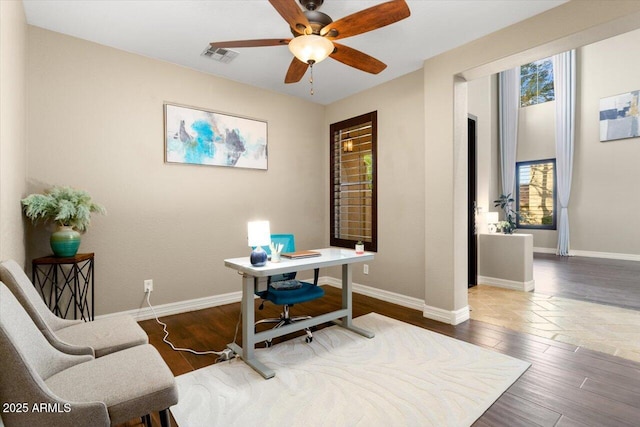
x: 291, y: 13
x: 356, y: 59
x: 251, y: 43
x: 296, y: 71
x: 368, y: 19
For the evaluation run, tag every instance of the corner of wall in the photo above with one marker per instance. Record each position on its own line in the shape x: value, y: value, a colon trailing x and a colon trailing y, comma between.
x: 13, y: 59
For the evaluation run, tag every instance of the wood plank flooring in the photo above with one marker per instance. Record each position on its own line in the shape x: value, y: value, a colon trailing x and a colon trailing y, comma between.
x: 565, y: 386
x: 603, y: 281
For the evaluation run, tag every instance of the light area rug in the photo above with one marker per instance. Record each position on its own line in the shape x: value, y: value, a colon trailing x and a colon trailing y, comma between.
x: 405, y: 376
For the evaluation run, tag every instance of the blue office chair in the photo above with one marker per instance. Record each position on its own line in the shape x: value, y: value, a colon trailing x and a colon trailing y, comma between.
x: 285, y: 290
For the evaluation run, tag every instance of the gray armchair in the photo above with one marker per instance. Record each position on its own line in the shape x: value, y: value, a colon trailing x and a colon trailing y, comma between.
x: 99, y: 337
x: 58, y: 389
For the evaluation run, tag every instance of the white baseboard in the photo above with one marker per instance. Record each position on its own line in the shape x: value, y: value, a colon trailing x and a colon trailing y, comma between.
x: 392, y: 297
x: 145, y: 313
x: 608, y: 255
x: 451, y: 317
x: 508, y: 284
x: 544, y: 250
x: 434, y: 313
x: 592, y: 254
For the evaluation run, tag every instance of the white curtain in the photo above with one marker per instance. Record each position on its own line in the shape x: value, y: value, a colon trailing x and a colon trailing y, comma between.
x: 509, y: 105
x: 564, y: 75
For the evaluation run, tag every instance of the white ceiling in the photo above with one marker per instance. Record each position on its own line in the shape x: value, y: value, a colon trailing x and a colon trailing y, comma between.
x: 178, y: 31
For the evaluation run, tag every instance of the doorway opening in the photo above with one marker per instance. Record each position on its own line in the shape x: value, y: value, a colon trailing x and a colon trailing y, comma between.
x: 472, y: 238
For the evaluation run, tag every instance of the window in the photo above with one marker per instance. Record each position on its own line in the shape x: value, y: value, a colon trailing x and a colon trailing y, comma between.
x: 353, y: 182
x: 536, y: 82
x: 536, y: 198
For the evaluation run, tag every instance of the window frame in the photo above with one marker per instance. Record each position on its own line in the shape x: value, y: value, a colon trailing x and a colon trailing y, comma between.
x: 536, y: 74
x: 554, y: 215
x: 333, y: 129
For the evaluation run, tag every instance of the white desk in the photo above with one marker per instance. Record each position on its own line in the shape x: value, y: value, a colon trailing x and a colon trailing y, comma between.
x: 330, y: 257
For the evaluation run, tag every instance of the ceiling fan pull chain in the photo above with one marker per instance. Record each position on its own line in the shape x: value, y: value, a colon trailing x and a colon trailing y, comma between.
x: 311, y: 78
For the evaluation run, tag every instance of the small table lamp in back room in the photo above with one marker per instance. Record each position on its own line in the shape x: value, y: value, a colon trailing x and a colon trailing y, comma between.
x: 492, y: 220
x: 259, y: 235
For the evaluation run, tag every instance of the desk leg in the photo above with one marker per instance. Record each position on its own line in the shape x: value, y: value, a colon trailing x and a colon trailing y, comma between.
x: 347, y: 302
x: 247, y: 352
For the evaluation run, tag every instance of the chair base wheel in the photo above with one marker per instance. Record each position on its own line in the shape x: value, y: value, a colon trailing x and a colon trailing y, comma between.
x: 308, y: 339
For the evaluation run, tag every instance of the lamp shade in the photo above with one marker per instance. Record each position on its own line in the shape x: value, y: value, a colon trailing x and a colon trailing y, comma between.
x: 311, y: 48
x: 492, y: 217
x: 258, y: 233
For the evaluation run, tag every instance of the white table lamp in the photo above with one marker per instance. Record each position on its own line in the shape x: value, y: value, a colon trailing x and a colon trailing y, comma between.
x: 492, y: 219
x: 259, y: 235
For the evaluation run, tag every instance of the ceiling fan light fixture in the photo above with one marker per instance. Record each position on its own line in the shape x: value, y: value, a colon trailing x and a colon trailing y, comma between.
x: 311, y: 48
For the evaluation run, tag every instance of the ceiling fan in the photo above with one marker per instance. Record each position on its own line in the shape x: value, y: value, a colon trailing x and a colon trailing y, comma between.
x: 314, y: 33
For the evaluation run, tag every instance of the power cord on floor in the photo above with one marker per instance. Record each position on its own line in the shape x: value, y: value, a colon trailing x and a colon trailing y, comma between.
x: 226, y: 354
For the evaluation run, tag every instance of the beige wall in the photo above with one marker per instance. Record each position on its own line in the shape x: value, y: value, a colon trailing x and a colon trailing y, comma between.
x: 602, y: 171
x: 573, y: 24
x: 397, y: 267
x: 13, y: 151
x: 604, y: 198
x: 96, y: 122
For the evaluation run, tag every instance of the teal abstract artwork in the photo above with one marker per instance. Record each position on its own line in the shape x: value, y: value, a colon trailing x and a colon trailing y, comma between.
x: 200, y: 137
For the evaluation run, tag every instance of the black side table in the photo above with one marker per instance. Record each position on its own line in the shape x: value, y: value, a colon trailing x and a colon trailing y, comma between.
x: 66, y: 282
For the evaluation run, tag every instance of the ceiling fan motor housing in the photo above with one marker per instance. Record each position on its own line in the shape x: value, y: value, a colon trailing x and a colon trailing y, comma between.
x: 317, y: 20
x: 311, y: 4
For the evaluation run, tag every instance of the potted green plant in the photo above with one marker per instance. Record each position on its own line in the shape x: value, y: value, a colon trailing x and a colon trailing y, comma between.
x: 508, y: 226
x: 70, y: 209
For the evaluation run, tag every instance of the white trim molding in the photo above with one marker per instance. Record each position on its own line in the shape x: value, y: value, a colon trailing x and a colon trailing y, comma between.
x: 544, y: 250
x: 145, y: 313
x: 608, y: 255
x: 592, y: 254
x: 507, y: 284
x: 451, y: 317
x: 434, y: 313
x: 392, y: 297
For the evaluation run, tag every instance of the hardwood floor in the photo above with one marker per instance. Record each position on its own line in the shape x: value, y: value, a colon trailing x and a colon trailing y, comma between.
x: 599, y: 280
x: 565, y: 386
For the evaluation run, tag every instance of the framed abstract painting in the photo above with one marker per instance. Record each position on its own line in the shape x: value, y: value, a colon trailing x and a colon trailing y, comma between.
x: 619, y: 117
x: 200, y: 137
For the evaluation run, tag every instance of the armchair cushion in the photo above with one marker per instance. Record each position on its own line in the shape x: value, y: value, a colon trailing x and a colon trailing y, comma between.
x: 106, y: 335
x: 110, y: 380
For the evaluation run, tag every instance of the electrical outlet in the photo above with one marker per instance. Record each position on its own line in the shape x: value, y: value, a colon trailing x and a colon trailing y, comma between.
x: 148, y: 285
x: 365, y: 269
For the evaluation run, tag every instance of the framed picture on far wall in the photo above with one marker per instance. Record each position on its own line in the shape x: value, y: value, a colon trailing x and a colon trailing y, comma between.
x: 619, y: 117
x: 200, y: 137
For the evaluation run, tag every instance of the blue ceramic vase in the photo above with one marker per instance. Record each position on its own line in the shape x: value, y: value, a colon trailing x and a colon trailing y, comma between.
x: 258, y: 257
x: 65, y: 241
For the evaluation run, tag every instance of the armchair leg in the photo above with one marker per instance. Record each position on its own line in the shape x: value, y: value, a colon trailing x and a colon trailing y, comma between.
x: 165, y: 419
x: 146, y: 420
